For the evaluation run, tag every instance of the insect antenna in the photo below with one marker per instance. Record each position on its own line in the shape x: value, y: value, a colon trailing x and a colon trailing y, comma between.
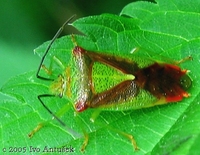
x: 54, y: 116
x: 49, y: 79
x: 49, y: 46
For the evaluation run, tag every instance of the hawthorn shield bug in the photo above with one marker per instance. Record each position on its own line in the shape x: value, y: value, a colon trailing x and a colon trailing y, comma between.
x: 137, y: 86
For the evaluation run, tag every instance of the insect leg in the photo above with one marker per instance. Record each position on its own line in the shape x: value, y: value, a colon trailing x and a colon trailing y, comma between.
x: 85, y: 134
x: 37, y: 128
x: 40, y: 125
x: 56, y: 117
x: 95, y: 114
x: 124, y: 134
x: 85, y: 142
x: 128, y: 136
x: 49, y: 46
x: 49, y: 69
x: 184, y: 59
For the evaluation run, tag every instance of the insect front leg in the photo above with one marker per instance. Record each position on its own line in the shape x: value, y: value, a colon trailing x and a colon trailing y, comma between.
x: 48, y: 48
x: 36, y: 129
x: 184, y: 59
x: 49, y: 70
x: 56, y: 116
x: 40, y: 125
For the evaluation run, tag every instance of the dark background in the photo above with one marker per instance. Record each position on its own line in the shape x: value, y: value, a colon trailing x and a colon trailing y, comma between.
x: 24, y: 25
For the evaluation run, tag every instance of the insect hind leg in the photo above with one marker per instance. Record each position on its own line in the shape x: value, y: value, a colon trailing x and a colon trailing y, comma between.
x: 126, y: 135
x: 96, y: 113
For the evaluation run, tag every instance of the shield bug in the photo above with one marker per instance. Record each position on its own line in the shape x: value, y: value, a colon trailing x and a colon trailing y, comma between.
x: 156, y: 82
x: 136, y: 82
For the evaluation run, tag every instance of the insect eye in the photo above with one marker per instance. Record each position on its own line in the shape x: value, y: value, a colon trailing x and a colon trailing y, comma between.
x: 185, y: 81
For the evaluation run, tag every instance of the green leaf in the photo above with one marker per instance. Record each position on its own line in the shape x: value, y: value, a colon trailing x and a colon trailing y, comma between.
x: 168, y: 29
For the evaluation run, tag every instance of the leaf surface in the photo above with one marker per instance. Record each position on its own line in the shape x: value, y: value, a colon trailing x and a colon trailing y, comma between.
x: 167, y: 29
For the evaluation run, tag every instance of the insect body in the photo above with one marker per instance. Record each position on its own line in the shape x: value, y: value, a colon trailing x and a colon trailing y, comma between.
x: 133, y: 85
x: 154, y: 83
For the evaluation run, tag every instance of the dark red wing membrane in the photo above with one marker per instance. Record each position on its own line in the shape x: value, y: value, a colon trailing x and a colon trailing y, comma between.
x: 163, y: 80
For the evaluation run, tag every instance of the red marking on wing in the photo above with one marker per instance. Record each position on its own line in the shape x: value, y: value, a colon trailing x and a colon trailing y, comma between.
x: 80, y: 106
